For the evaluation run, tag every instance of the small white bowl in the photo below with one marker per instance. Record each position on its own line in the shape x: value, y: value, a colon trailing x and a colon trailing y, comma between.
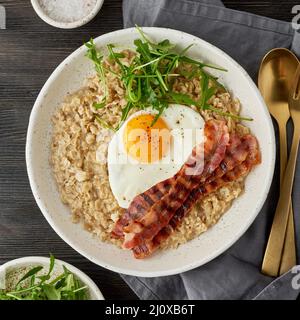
x: 95, y: 293
x: 66, y: 25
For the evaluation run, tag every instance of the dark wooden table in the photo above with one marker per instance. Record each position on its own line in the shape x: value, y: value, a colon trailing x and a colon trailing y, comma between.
x: 29, y: 52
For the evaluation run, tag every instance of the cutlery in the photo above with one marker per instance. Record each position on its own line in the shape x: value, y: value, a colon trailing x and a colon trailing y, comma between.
x: 275, y: 79
x: 277, y: 234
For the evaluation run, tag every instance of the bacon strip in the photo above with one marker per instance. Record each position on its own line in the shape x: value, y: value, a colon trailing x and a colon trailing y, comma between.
x: 140, y: 205
x: 234, y: 173
x: 145, y: 228
x: 143, y: 202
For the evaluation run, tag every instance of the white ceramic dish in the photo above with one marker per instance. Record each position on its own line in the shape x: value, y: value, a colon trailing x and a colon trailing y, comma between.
x: 95, y: 293
x: 66, y: 25
x: 68, y: 77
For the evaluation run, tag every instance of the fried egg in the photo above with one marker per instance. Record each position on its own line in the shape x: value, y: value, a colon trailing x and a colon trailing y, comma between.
x: 147, y: 150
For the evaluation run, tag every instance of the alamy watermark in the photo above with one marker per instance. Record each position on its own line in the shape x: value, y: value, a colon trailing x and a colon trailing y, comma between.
x: 2, y: 17
x: 296, y: 278
x: 296, y: 18
x: 155, y: 146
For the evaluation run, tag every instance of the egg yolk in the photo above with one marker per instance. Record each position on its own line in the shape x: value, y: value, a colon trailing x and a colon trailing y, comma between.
x: 146, y: 142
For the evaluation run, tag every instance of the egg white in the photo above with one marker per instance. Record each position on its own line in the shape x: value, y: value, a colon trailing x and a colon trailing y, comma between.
x: 128, y: 177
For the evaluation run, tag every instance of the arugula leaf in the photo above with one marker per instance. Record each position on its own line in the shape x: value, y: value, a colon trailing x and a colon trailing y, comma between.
x: 186, y: 49
x: 190, y: 74
x: 143, y: 49
x: 100, y: 105
x: 227, y: 114
x: 182, y: 98
x: 116, y: 56
x: 160, y: 106
x: 51, y: 266
x: 210, y: 92
x: 134, y: 96
x: 30, y: 273
x: 201, y: 64
x: 163, y: 46
x: 125, y: 111
x: 51, y: 293
x: 32, y: 280
x: 13, y: 296
x: 97, y: 58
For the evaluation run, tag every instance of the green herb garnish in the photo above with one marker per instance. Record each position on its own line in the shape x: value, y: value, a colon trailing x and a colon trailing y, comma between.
x: 34, y: 287
x: 100, y: 105
x: 97, y: 58
x: 148, y: 80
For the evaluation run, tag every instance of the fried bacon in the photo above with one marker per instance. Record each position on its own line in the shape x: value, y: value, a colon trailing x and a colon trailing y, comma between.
x: 140, y: 205
x: 143, y: 202
x: 194, y: 172
x: 241, y: 168
x: 153, y: 215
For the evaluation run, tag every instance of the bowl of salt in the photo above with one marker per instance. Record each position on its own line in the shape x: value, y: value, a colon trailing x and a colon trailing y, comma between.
x: 67, y: 14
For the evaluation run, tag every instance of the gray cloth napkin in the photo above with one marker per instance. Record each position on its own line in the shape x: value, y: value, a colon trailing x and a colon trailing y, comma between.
x: 246, y: 37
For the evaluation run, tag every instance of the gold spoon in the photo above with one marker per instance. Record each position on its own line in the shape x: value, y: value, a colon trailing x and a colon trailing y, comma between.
x: 275, y: 79
x: 276, y: 239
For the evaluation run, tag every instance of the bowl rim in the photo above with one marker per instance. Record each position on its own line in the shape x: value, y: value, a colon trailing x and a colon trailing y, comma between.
x: 134, y: 272
x: 32, y: 260
x: 66, y: 25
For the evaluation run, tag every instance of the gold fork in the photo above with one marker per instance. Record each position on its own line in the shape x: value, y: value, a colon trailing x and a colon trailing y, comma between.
x: 276, y: 238
x: 276, y: 76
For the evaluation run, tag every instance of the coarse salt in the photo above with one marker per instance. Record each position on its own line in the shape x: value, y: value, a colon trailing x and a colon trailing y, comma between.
x: 67, y: 10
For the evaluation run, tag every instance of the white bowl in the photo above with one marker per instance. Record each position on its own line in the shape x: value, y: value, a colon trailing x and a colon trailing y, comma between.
x: 95, y: 293
x: 68, y: 77
x: 66, y: 25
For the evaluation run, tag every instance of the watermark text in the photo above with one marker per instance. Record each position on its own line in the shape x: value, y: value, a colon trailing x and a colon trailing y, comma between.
x: 296, y: 278
x: 296, y: 19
